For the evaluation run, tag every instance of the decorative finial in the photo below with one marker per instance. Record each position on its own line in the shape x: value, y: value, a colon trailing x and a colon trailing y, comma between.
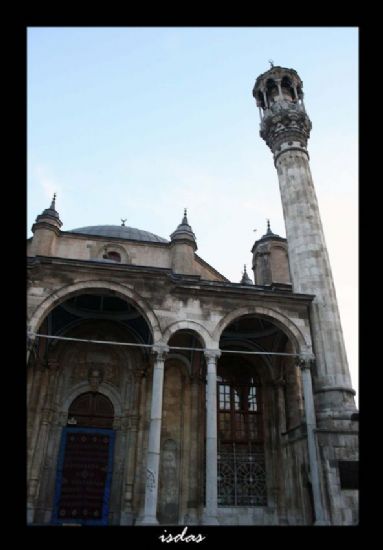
x: 271, y: 63
x: 53, y: 203
x: 123, y: 221
x: 269, y: 232
x: 184, y: 231
x: 245, y: 278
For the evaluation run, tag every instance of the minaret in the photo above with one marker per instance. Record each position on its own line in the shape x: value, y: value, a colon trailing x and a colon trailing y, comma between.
x: 285, y: 126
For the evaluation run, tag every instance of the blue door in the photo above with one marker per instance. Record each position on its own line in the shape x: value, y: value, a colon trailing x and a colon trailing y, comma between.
x: 84, y: 474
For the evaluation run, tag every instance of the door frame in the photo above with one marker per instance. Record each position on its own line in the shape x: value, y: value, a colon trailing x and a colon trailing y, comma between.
x: 104, y: 520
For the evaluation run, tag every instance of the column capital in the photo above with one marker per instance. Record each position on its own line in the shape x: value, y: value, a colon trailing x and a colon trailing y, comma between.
x: 159, y: 351
x: 212, y: 354
x: 305, y: 360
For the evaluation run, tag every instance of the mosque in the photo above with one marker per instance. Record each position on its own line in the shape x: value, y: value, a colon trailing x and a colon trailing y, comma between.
x: 161, y: 393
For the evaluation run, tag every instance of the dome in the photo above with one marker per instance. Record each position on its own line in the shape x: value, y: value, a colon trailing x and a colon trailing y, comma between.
x: 119, y: 232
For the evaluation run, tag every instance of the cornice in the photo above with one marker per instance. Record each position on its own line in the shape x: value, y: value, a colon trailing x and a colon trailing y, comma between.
x: 178, y: 284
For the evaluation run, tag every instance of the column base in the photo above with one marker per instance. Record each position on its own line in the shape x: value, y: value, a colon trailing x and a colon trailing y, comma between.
x: 283, y: 520
x: 30, y: 514
x: 209, y: 519
x: 127, y: 518
x: 322, y: 522
x: 191, y: 517
x: 147, y: 520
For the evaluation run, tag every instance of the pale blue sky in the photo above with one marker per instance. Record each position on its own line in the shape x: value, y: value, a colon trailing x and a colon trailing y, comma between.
x: 139, y: 123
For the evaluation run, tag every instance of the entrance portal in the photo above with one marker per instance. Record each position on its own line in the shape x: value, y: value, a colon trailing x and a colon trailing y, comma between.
x: 84, y: 470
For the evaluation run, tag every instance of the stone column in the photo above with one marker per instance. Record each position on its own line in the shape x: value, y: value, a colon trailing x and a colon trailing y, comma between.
x: 265, y: 99
x: 311, y: 274
x: 153, y: 453
x: 211, y: 438
x: 279, y: 89
x: 304, y: 363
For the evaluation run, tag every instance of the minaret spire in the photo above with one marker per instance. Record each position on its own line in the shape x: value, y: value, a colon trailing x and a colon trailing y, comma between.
x: 183, y: 245
x: 184, y: 231
x: 245, y: 278
x: 49, y: 216
x: 46, y: 230
x: 53, y: 203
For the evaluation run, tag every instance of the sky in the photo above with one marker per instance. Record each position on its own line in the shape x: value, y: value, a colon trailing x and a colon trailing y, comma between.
x: 140, y: 123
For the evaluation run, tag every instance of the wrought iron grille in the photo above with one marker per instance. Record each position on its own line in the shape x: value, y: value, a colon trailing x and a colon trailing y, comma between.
x: 241, y: 477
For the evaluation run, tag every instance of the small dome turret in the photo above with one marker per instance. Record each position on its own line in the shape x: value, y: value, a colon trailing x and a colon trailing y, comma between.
x: 269, y: 234
x: 270, y: 259
x: 46, y: 230
x: 245, y: 278
x: 184, y: 232
x: 183, y: 246
x: 49, y: 216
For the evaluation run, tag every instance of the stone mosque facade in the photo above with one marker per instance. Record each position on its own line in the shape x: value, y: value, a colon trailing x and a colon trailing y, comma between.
x: 161, y: 393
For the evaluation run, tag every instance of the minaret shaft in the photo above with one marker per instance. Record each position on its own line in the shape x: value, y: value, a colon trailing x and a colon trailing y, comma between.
x: 310, y: 267
x: 286, y: 127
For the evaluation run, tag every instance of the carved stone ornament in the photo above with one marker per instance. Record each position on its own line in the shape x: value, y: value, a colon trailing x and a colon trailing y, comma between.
x: 150, y: 480
x: 212, y: 355
x: 80, y: 370
x: 305, y: 360
x: 288, y: 124
x: 95, y: 377
x: 159, y: 352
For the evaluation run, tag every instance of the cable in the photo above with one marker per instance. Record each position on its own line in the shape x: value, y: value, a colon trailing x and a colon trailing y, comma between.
x: 154, y: 345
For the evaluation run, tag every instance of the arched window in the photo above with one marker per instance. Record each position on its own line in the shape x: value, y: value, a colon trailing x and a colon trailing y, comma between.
x: 260, y: 100
x: 287, y: 89
x: 92, y: 410
x: 239, y: 411
x: 271, y: 91
x: 112, y: 256
x: 241, y: 468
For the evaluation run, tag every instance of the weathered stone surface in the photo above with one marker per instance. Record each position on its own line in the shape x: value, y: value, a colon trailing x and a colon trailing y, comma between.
x: 167, y: 438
